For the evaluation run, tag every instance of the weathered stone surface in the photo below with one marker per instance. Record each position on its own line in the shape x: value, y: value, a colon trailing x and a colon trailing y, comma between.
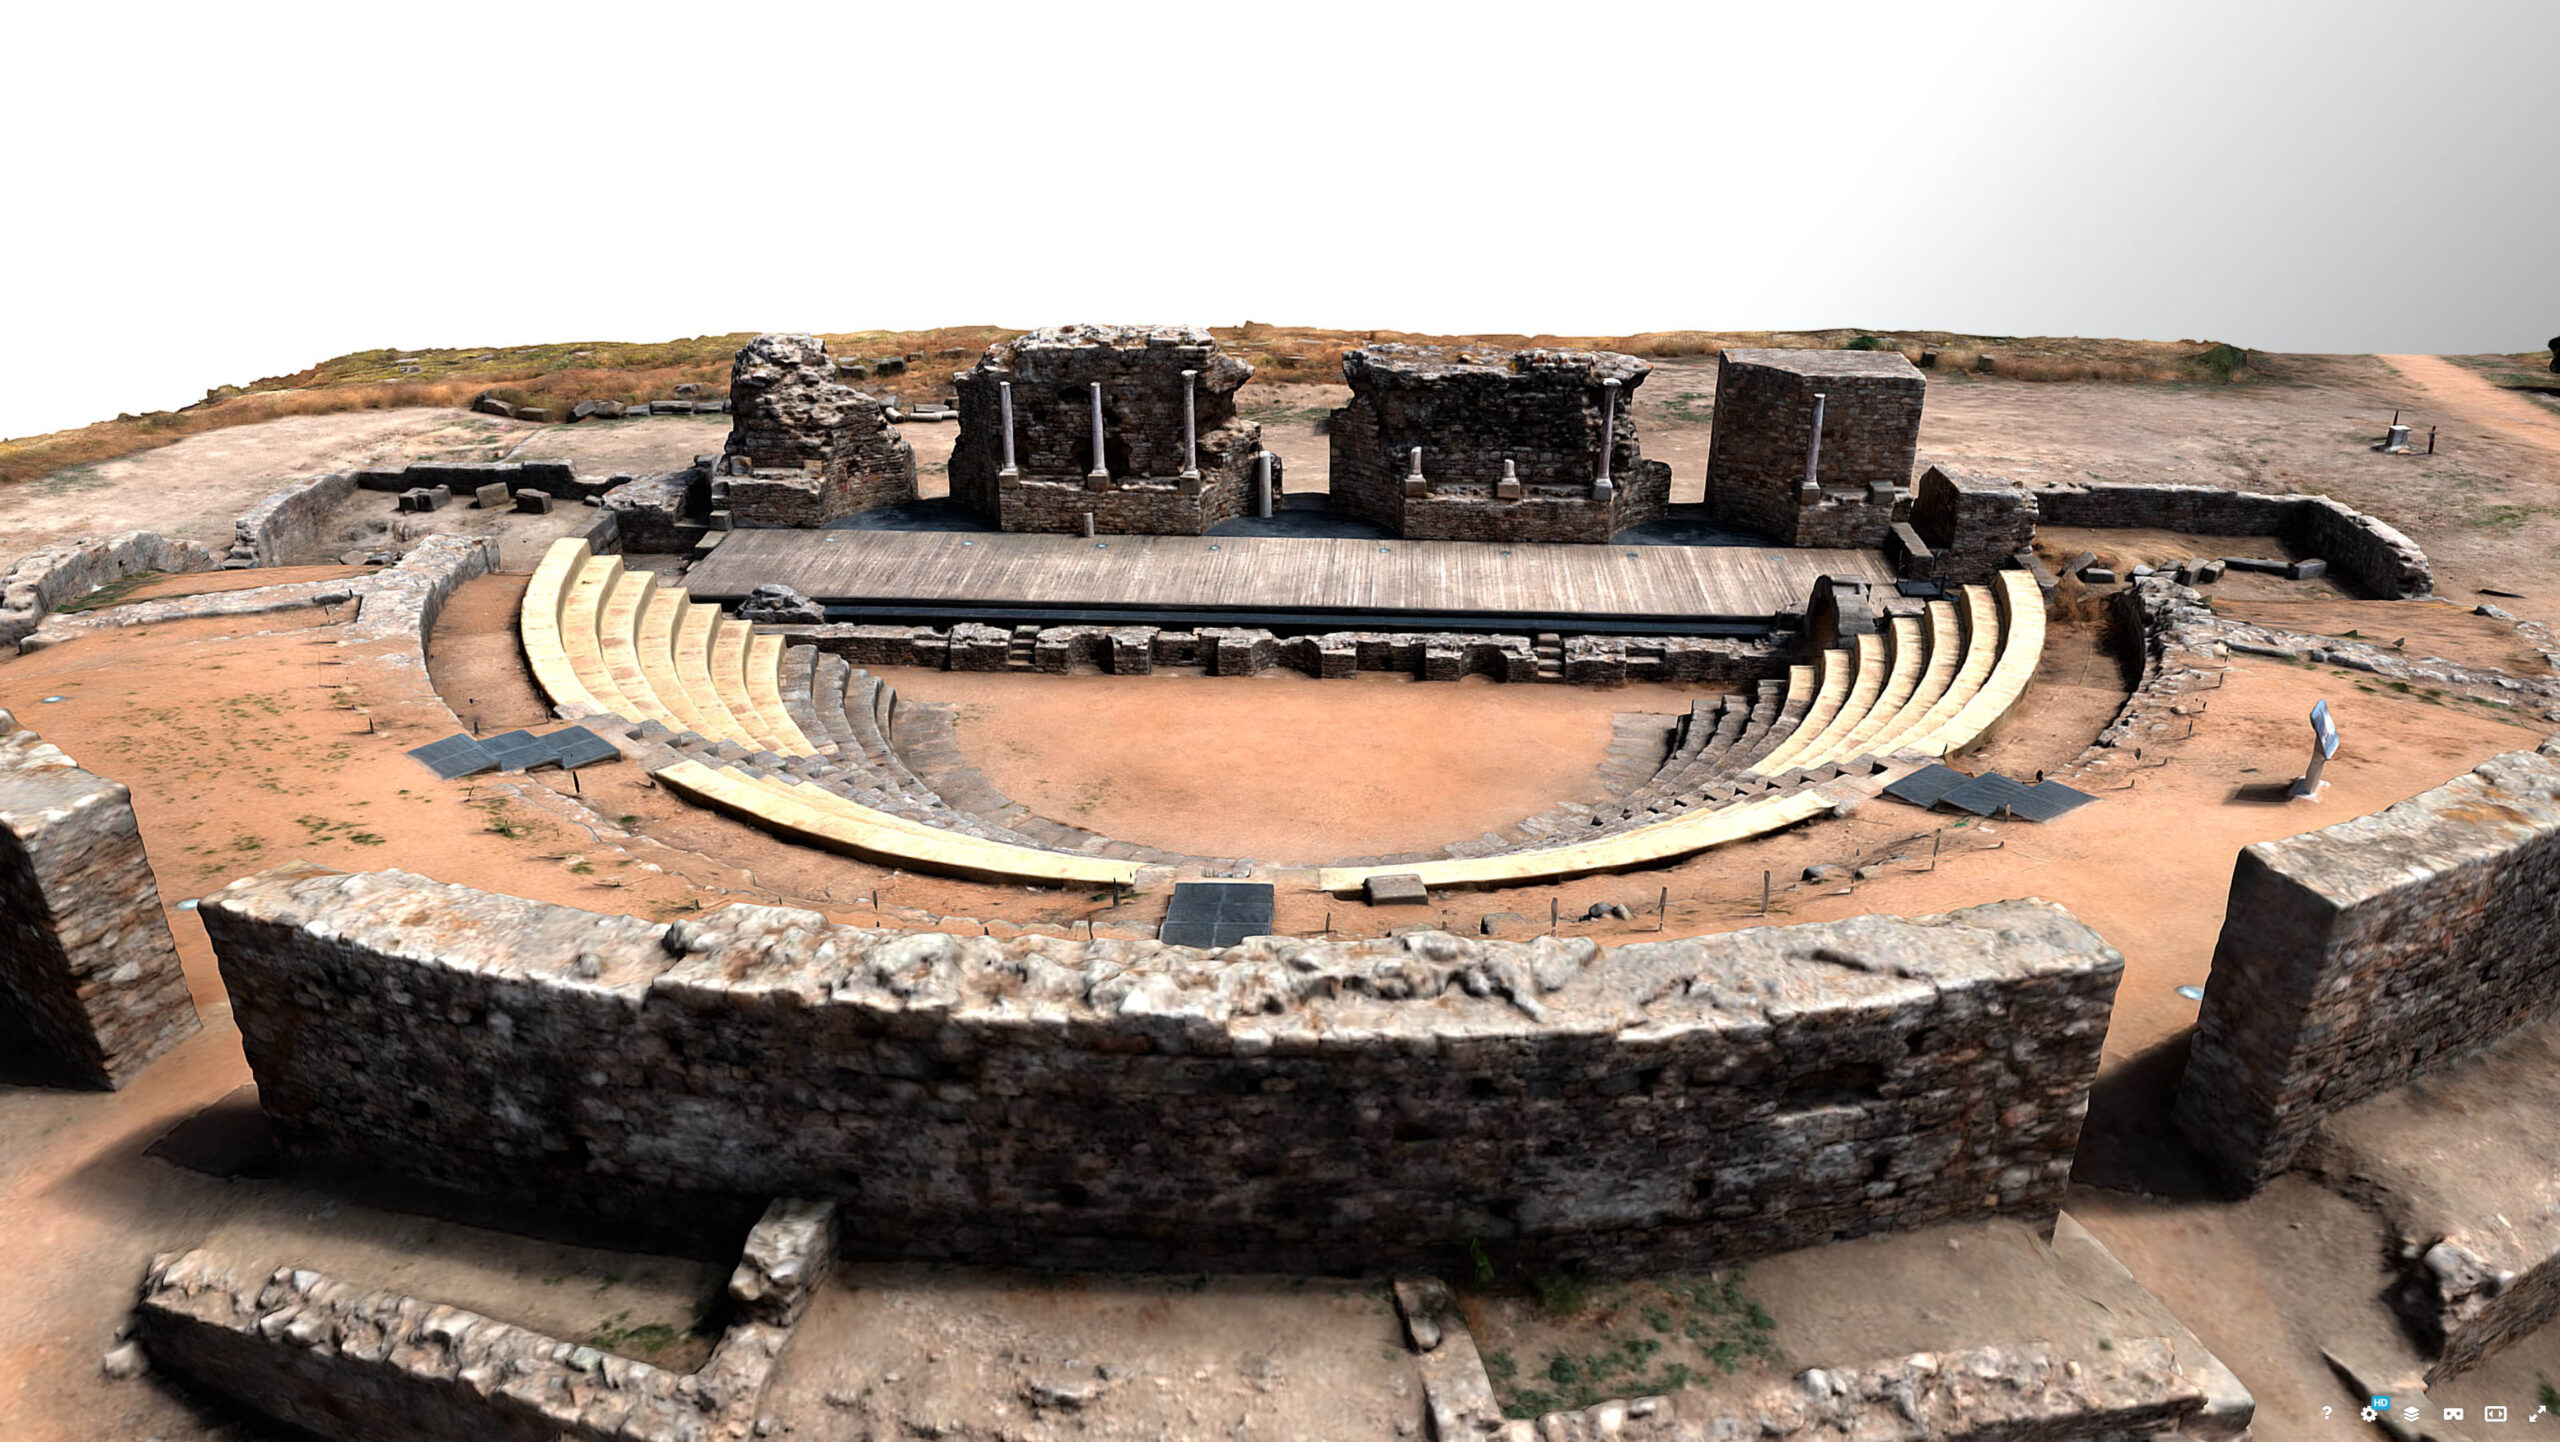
x: 1140, y: 368
x: 778, y: 604
x: 1292, y: 1103
x: 1971, y: 523
x: 380, y: 1366
x: 1764, y: 427
x: 67, y: 570
x: 2365, y: 953
x: 1472, y: 411
x: 287, y: 522
x: 1402, y: 888
x: 2376, y: 556
x: 807, y: 449
x: 90, y: 989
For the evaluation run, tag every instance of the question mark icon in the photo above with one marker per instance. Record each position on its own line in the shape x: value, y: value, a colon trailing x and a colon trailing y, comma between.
x: 2324, y: 1414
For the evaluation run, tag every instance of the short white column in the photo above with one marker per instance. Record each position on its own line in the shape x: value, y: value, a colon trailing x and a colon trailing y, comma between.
x: 1414, y: 484
x: 1602, y: 489
x: 1508, y: 488
x: 1812, y: 488
x: 1190, y: 426
x: 1004, y: 403
x: 1262, y: 485
x: 1099, y: 478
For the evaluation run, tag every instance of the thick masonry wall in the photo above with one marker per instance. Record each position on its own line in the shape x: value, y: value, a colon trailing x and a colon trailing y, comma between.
x: 1764, y: 425
x: 806, y: 449
x: 1144, y: 492
x: 1971, y: 523
x: 286, y: 523
x: 2368, y: 952
x: 1285, y: 1104
x: 2375, y: 555
x: 1544, y: 412
x: 90, y: 989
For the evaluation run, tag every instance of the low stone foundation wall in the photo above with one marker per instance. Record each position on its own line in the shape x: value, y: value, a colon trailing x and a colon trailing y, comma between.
x: 553, y: 478
x: 1245, y: 651
x: 2374, y: 555
x: 1285, y: 1104
x: 2360, y: 955
x: 287, y: 522
x: 380, y: 1366
x: 90, y: 988
x: 650, y: 512
x: 67, y: 570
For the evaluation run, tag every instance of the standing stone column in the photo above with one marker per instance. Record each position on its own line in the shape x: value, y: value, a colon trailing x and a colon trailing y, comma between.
x: 1190, y: 426
x: 1099, y: 478
x: 1811, y: 490
x: 1414, y: 484
x: 1601, y: 489
x: 1262, y: 485
x: 1010, y: 474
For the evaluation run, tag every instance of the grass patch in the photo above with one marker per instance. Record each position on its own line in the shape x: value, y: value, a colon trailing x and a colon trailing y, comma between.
x: 1630, y: 1339
x: 112, y: 592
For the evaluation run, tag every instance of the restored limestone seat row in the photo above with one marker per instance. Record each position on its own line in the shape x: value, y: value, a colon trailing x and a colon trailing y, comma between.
x: 782, y: 737
x: 1920, y: 688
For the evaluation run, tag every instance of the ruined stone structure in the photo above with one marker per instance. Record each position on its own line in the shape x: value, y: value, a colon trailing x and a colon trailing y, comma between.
x: 2365, y: 953
x: 1532, y: 445
x: 1314, y: 1106
x: 2375, y: 555
x: 90, y: 989
x: 1174, y: 459
x: 806, y: 449
x: 353, y: 1365
x: 67, y: 570
x: 1764, y: 433
x: 1963, y: 527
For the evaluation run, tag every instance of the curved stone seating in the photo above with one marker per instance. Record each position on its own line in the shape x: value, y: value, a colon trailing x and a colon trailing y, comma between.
x: 818, y: 817
x: 1925, y: 686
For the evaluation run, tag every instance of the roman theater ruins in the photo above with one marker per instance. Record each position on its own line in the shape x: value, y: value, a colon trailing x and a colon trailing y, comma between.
x: 1090, y: 888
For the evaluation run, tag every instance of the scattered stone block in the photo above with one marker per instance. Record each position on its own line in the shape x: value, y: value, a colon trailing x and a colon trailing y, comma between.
x: 2306, y: 570
x: 2097, y: 576
x: 1502, y: 923
x: 1402, y: 888
x: 535, y: 503
x: 491, y: 496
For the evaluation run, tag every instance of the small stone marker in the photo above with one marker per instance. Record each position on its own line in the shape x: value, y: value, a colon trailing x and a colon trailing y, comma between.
x: 491, y: 496
x: 2324, y: 744
x: 1402, y: 888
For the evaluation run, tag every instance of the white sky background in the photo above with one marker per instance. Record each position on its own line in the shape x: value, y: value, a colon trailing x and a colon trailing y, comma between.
x: 216, y: 193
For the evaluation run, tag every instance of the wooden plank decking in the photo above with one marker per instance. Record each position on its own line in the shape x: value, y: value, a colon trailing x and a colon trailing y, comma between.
x: 1263, y: 573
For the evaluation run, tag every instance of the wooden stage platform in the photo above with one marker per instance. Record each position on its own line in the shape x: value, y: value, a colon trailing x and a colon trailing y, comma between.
x: 932, y: 571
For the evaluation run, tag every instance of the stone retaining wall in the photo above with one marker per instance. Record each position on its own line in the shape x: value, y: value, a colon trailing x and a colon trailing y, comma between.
x: 2376, y: 556
x: 286, y: 524
x: 553, y: 478
x: 67, y: 570
x: 1290, y: 1105
x: 379, y: 1366
x: 90, y: 988
x: 1971, y: 523
x: 1245, y: 651
x: 2362, y: 954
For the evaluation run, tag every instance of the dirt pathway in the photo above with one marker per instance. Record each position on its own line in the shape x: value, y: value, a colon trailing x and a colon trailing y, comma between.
x: 2458, y: 392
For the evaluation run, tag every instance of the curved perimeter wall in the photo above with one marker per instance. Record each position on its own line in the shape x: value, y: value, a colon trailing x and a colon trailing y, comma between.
x: 1326, y: 1106
x: 2376, y: 556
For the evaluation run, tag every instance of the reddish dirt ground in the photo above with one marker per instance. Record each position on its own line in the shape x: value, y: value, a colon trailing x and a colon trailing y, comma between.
x: 243, y: 749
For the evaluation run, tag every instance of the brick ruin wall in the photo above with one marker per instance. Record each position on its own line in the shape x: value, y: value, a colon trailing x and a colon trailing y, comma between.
x: 49, y: 576
x: 2376, y: 556
x: 2365, y: 953
x: 805, y: 449
x: 1247, y: 651
x: 1140, y: 370
x: 1470, y: 412
x: 90, y: 989
x: 1971, y: 523
x: 1764, y: 423
x: 1287, y: 1104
